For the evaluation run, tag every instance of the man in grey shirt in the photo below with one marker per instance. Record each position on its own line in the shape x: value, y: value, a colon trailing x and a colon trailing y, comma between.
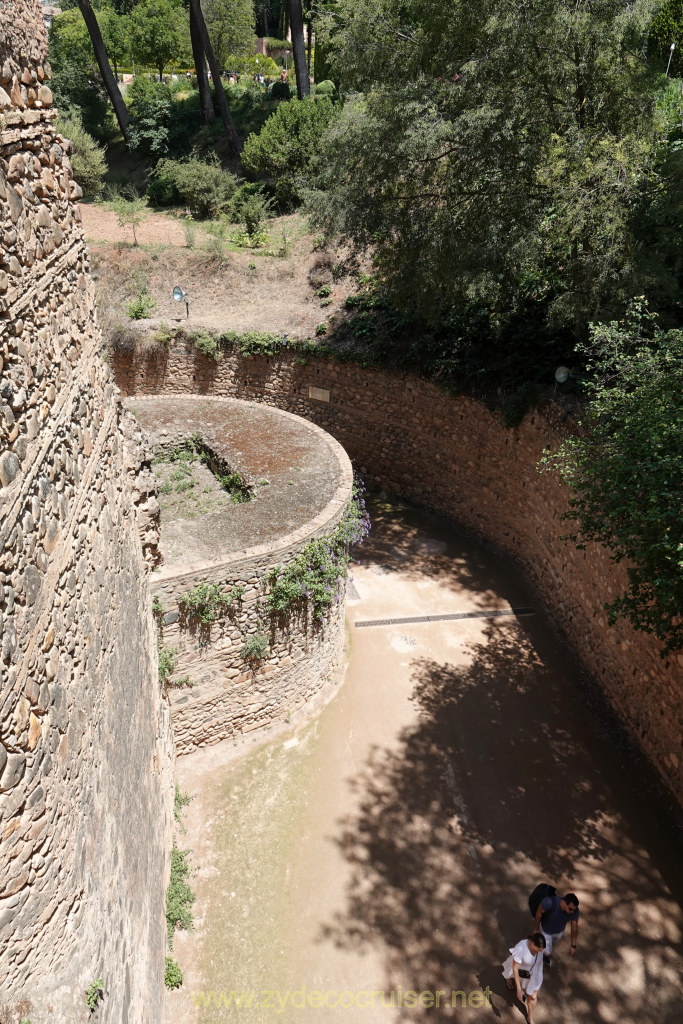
x: 551, y: 919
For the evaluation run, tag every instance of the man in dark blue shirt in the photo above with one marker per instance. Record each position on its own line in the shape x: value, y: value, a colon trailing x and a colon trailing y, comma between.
x: 551, y: 920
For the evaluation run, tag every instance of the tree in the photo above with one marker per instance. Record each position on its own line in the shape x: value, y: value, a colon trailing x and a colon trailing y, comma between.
x: 199, y: 57
x: 76, y: 83
x: 667, y: 28
x: 156, y: 32
x: 499, y: 147
x: 625, y: 468
x: 228, y: 123
x: 230, y: 24
x: 115, y: 33
x: 288, y: 143
x: 110, y: 83
x: 130, y: 212
x: 296, y: 21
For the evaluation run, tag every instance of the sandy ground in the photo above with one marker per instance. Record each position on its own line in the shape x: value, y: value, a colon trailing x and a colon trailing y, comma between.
x: 389, y: 845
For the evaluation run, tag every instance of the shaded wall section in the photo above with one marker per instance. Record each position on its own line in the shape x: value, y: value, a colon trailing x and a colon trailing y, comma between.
x: 451, y: 455
x: 85, y: 751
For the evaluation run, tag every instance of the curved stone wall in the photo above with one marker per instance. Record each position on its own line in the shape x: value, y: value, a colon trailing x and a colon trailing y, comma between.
x: 310, y: 483
x: 86, y: 784
x: 451, y: 455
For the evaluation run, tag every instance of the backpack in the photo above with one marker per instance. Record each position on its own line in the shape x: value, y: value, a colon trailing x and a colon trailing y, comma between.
x: 540, y: 892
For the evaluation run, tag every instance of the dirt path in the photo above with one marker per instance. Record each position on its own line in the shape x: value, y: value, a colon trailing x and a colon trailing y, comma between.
x: 390, y: 844
x: 101, y: 225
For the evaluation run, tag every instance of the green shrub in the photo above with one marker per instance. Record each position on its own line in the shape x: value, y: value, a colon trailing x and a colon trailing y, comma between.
x: 94, y: 994
x: 253, y: 343
x: 163, y: 119
x: 326, y: 88
x: 241, y: 199
x: 142, y: 306
x: 208, y: 344
x: 88, y: 160
x: 280, y: 91
x: 179, y: 895
x: 215, y: 243
x: 289, y: 142
x: 255, y: 209
x: 314, y: 576
x: 167, y: 663
x: 173, y: 975
x: 207, y: 602
x: 256, y: 647
x: 201, y: 185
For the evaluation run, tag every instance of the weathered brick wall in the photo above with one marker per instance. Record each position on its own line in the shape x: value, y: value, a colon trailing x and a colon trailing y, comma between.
x: 451, y: 455
x: 85, y: 753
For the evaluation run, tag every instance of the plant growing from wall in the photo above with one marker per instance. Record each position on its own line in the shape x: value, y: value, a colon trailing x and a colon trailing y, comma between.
x: 313, y: 578
x: 256, y: 647
x: 94, y: 994
x: 180, y: 802
x: 185, y: 682
x: 207, y: 602
x: 173, y: 975
x: 179, y: 895
x: 167, y: 663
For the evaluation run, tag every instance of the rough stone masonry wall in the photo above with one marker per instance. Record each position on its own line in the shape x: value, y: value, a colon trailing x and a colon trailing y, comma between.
x: 231, y: 696
x: 451, y: 455
x: 85, y: 753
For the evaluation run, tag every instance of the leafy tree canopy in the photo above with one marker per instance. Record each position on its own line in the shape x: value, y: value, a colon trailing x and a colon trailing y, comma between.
x: 625, y: 467
x: 159, y: 32
x: 289, y: 141
x: 76, y: 82
x: 498, y: 149
x: 230, y: 24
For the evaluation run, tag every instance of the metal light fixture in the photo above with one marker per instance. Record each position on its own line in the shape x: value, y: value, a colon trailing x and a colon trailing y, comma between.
x: 671, y: 53
x: 179, y: 295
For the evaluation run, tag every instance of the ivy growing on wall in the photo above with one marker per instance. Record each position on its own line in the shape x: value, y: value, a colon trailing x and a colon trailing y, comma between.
x: 313, y: 578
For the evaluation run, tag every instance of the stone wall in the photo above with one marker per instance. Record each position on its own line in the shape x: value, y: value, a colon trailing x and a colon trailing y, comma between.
x: 85, y: 751
x: 231, y: 696
x: 451, y: 455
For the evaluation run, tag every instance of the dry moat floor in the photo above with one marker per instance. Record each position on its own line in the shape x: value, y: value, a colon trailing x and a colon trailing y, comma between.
x: 390, y: 843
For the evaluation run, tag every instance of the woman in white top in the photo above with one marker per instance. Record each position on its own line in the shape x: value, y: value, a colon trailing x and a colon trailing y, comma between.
x: 523, y: 971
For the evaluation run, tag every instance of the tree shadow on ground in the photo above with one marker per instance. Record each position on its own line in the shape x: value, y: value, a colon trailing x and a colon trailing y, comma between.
x: 509, y: 779
x: 398, y: 541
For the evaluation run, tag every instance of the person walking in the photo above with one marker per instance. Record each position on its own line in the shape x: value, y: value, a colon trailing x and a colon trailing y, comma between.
x: 523, y: 971
x: 552, y: 916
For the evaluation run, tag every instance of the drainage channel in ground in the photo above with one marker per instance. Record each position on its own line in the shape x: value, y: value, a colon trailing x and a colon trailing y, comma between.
x: 388, y: 846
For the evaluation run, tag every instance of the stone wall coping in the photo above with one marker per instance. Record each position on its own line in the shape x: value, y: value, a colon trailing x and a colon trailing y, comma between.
x: 275, y: 549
